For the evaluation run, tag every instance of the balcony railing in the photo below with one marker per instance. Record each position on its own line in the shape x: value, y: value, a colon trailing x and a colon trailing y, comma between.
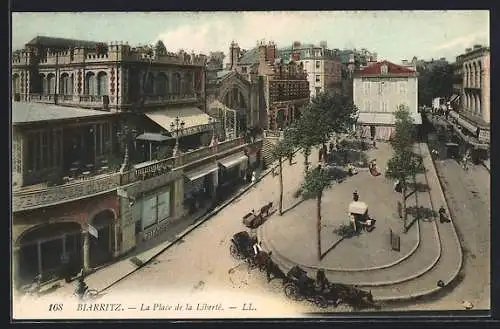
x: 28, y: 198
x: 42, y: 195
x: 93, y: 101
x: 167, y: 99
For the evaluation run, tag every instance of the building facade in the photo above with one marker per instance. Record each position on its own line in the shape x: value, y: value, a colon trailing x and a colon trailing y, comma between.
x: 111, y: 146
x: 472, y: 98
x: 378, y: 91
x: 323, y: 65
x: 282, y: 85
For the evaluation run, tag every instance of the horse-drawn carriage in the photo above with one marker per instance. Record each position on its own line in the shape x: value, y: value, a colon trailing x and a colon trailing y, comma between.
x: 253, y: 220
x: 298, y: 286
x: 242, y: 248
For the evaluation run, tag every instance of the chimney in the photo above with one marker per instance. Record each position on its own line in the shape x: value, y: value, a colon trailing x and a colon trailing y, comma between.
x: 296, y: 44
x: 468, y: 50
x: 271, y: 51
x: 234, y: 55
x: 477, y: 47
x: 405, y: 62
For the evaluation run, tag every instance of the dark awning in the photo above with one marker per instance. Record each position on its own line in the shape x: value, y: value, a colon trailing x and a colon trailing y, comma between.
x: 153, y: 137
x: 233, y: 160
x: 201, y: 171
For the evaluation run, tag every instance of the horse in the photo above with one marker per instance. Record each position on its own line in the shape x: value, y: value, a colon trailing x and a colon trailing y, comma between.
x: 265, y: 209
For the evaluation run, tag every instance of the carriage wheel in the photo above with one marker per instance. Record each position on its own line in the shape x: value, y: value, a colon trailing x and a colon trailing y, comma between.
x: 234, y: 252
x: 320, y: 301
x: 292, y: 292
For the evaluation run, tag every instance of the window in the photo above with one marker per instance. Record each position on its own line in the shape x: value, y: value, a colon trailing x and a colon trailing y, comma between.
x: 385, y: 106
x: 366, y: 88
x: 383, y: 69
x: 318, y: 64
x: 318, y: 90
x: 244, y: 69
x: 367, y: 106
x: 318, y: 78
x: 402, y: 88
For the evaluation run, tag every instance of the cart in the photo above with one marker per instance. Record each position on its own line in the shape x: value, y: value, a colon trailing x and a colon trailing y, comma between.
x: 358, y: 213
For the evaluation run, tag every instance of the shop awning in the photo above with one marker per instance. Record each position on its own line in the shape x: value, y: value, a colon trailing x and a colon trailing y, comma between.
x: 233, y: 160
x: 453, y: 98
x: 153, y: 137
x: 454, y: 115
x: 467, y: 125
x: 201, y: 171
x: 195, y: 120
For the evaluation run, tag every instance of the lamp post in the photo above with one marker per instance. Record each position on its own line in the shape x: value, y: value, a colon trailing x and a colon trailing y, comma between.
x: 177, y: 125
x: 212, y: 122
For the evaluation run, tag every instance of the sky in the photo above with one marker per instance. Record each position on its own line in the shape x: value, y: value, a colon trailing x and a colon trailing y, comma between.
x: 393, y: 35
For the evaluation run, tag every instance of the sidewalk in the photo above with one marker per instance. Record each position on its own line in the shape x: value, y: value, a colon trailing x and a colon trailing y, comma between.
x: 429, y: 252
x: 486, y: 164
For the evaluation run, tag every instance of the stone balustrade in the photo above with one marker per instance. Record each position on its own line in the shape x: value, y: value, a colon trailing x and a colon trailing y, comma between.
x: 168, y: 99
x: 26, y: 198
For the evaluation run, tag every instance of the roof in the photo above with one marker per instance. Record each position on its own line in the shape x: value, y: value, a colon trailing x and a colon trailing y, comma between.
x: 61, y: 42
x: 223, y: 73
x: 250, y: 57
x: 37, y: 112
x: 375, y: 69
x: 191, y: 116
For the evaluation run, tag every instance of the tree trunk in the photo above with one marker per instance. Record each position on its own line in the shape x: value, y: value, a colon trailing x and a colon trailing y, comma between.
x: 281, y: 187
x: 307, y: 152
x: 403, y: 210
x: 318, y: 223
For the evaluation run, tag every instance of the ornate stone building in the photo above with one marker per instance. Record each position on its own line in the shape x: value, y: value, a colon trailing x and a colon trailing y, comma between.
x: 279, y: 87
x: 323, y: 65
x: 472, y: 99
x: 111, y: 146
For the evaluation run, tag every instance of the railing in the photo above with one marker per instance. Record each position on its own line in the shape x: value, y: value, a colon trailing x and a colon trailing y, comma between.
x: 273, y: 133
x: 157, y: 99
x: 26, y: 198
x: 93, y: 101
x: 40, y: 98
x: 152, y: 168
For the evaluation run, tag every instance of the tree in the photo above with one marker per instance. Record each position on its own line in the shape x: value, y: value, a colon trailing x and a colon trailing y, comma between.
x: 326, y: 115
x: 404, y: 164
x: 284, y: 149
x: 316, y: 181
x: 160, y: 48
x: 435, y: 80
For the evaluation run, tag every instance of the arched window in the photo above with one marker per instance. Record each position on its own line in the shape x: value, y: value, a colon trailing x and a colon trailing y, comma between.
x: 102, y: 83
x: 65, y: 84
x: 16, y: 88
x: 176, y: 84
x: 90, y: 84
x: 478, y: 76
x: 149, y: 84
x: 43, y: 84
x: 161, y: 84
x: 188, y: 83
x: 51, y: 84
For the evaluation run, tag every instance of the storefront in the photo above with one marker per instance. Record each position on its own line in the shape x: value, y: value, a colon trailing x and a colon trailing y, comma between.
x: 232, y: 173
x: 152, y: 211
x: 199, y: 186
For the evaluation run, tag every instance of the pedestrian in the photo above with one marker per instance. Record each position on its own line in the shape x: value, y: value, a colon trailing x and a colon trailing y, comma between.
x: 290, y: 158
x: 442, y: 215
x: 355, y: 195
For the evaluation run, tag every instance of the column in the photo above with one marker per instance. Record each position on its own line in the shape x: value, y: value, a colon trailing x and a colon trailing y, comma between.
x: 116, y: 230
x: 39, y: 254
x: 85, y: 249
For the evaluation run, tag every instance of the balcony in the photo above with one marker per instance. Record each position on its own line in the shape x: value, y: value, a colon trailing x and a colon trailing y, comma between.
x: 43, y: 195
x: 155, y: 100
x: 86, y: 101
x: 154, y: 168
x: 31, y: 197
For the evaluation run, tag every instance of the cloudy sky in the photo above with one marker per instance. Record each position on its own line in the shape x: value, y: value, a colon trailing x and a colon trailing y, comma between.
x: 394, y: 35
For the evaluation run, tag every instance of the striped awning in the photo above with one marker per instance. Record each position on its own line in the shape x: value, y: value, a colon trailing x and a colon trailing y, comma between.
x: 233, y: 160
x: 467, y: 125
x: 201, y: 171
x: 453, y: 98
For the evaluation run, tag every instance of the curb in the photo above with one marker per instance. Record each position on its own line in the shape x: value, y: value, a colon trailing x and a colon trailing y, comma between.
x: 486, y: 167
x: 197, y: 222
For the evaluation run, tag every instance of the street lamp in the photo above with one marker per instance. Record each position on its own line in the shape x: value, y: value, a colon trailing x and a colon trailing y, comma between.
x: 177, y: 125
x: 212, y: 122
